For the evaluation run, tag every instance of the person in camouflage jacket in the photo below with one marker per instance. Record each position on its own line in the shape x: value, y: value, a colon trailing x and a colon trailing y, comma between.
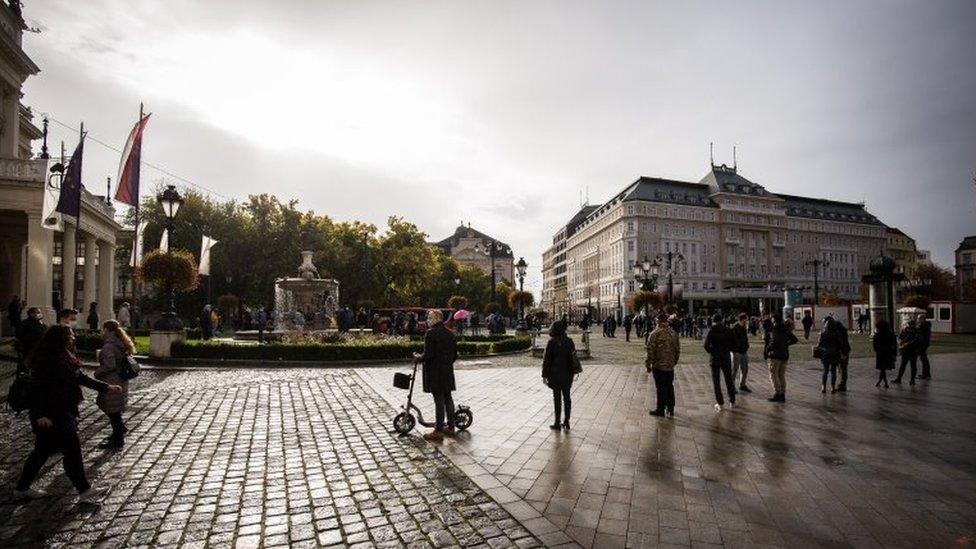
x: 663, y: 351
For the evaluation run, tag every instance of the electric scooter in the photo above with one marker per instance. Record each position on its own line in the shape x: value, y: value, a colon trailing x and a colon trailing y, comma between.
x: 405, y: 421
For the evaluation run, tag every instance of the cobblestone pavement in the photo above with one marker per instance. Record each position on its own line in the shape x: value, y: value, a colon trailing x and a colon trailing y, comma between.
x: 296, y: 458
x: 868, y: 468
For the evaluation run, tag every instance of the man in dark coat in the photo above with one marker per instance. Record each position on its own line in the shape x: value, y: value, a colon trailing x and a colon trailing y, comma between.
x: 628, y: 326
x: 740, y: 352
x: 908, y: 345
x: 440, y: 352
x: 557, y: 372
x: 29, y: 333
x: 924, y: 340
x: 718, y: 345
x: 807, y: 324
x: 845, y: 355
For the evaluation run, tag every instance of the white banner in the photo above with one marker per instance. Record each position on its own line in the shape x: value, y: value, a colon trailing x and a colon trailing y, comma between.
x: 205, y: 246
x: 51, y: 219
x: 164, y: 242
x: 135, y: 258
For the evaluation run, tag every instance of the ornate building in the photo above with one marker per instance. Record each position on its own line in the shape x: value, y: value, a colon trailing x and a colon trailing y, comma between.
x: 31, y: 265
x: 732, y: 242
x: 467, y: 246
x: 902, y: 249
x: 965, y: 265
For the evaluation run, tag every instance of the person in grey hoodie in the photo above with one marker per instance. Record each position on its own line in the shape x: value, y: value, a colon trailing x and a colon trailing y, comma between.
x: 116, y: 347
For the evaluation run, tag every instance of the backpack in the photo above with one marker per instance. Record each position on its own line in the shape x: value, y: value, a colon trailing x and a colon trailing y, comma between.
x: 18, y: 396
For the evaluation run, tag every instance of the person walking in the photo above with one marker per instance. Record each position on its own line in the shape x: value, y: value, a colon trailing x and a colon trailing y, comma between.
x: 557, y: 373
x: 639, y: 325
x: 116, y: 347
x: 924, y: 340
x: 92, y: 319
x: 628, y: 326
x: 740, y: 352
x: 845, y: 355
x: 776, y: 349
x: 206, y: 328
x: 28, y: 335
x: 908, y: 345
x: 885, y: 350
x: 718, y: 345
x: 613, y: 326
x: 663, y: 352
x: 124, y: 318
x: 807, y: 323
x: 829, y: 351
x: 55, y: 392
x: 440, y: 352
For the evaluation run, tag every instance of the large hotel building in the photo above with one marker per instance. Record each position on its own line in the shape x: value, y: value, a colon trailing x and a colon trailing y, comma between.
x: 741, y: 246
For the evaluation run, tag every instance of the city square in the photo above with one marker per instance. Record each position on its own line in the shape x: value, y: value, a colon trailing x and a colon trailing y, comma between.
x: 489, y: 275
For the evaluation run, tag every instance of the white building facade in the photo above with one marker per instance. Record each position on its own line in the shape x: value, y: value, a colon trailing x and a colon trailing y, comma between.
x: 741, y: 246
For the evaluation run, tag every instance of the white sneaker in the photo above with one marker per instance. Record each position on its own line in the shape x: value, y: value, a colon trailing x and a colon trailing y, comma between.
x: 731, y: 405
x: 718, y: 407
x: 92, y: 494
x: 30, y: 493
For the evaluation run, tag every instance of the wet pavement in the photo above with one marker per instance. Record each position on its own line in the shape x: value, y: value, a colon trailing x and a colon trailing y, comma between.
x: 301, y: 457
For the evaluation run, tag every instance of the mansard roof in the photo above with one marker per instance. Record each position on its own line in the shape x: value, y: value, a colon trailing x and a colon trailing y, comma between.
x: 829, y: 210
x: 723, y: 179
x: 968, y: 243
x: 655, y: 189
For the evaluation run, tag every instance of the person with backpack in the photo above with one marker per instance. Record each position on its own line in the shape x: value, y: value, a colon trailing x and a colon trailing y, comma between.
x: 776, y: 349
x: 663, y: 352
x: 908, y: 345
x: 116, y: 348
x: 718, y: 345
x: 558, y: 369
x: 55, y: 392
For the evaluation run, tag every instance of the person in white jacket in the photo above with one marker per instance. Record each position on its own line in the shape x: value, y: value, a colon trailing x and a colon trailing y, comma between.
x: 124, y: 318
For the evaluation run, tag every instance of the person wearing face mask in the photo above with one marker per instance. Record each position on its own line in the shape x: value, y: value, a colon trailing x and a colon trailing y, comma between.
x: 29, y: 333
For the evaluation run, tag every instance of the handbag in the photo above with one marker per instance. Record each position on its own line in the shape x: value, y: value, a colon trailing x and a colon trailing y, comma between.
x: 577, y: 367
x: 18, y: 396
x: 818, y: 352
x: 129, y: 368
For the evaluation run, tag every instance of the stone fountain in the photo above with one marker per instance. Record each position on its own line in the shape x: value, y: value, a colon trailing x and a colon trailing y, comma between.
x: 317, y: 299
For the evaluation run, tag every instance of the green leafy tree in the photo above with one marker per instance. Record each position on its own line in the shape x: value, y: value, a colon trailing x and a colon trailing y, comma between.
x: 457, y: 302
x: 642, y: 299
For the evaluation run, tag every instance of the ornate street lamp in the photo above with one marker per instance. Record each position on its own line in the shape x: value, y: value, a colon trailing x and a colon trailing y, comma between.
x: 646, y: 272
x: 170, y: 200
x: 520, y: 268
x: 816, y: 264
x: 493, y: 249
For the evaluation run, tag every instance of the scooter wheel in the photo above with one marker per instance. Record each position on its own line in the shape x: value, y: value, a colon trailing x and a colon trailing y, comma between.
x: 403, y: 423
x: 463, y: 418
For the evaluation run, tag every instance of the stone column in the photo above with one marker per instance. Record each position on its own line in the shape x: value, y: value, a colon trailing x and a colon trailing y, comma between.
x: 878, y: 304
x: 69, y: 259
x: 90, y: 273
x: 106, y: 280
x: 40, y: 267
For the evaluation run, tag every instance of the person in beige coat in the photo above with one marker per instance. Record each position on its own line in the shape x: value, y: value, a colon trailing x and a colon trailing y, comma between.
x: 115, y: 347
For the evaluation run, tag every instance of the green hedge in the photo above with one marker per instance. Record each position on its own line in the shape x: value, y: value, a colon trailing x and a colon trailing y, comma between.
x: 328, y: 352
x: 488, y: 338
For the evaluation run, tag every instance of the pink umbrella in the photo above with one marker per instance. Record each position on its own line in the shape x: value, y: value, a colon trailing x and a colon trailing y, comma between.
x: 461, y: 315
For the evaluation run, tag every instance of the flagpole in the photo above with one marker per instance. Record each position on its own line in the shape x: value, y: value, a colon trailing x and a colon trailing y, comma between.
x: 135, y: 234
x: 81, y: 138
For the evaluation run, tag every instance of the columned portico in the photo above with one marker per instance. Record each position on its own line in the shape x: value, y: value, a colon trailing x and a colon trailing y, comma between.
x: 69, y: 260
x: 106, y: 280
x: 90, y: 271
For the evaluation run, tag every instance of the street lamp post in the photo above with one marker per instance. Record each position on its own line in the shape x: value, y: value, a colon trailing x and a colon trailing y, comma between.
x: 521, y: 268
x: 671, y: 260
x: 816, y: 264
x: 170, y: 201
x: 646, y: 272
x: 492, y: 249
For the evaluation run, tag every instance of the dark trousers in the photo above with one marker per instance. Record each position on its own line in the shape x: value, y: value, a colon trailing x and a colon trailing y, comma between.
x: 806, y: 332
x: 905, y: 359
x: 443, y: 405
x: 724, y: 370
x: 664, y: 382
x: 627, y: 332
x: 62, y: 439
x: 923, y: 356
x: 118, y: 426
x: 567, y: 403
x: 831, y: 370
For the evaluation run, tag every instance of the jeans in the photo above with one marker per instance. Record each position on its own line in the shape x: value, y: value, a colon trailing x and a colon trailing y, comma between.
x: 923, y: 356
x: 61, y: 438
x: 567, y: 403
x: 830, y: 369
x: 443, y: 402
x: 907, y: 358
x: 664, y: 383
x: 723, y: 370
x: 777, y: 375
x: 740, y: 360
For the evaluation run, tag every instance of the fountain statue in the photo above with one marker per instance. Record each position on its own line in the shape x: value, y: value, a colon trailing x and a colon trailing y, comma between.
x: 307, y: 301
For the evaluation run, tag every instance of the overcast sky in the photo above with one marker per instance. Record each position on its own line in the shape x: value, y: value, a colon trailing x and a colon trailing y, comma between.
x: 499, y: 113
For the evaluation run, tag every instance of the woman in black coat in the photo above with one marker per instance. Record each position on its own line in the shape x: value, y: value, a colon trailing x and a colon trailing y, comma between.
x: 440, y: 352
x: 557, y: 371
x: 885, y: 350
x: 830, y: 345
x: 56, y: 380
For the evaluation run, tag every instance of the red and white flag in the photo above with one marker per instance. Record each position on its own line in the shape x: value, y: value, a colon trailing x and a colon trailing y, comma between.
x: 128, y: 191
